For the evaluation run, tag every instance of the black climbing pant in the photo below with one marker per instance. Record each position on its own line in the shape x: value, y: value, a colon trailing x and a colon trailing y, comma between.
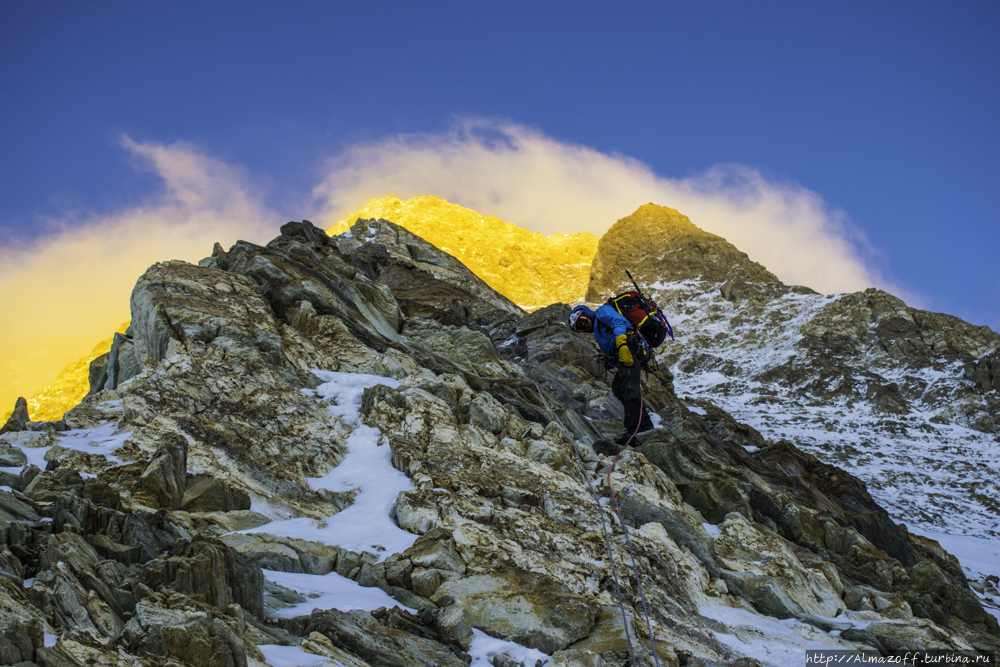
x: 626, y: 388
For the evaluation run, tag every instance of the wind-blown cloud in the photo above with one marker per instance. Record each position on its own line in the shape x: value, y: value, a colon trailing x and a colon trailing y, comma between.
x: 69, y: 290
x: 524, y: 177
x: 66, y: 292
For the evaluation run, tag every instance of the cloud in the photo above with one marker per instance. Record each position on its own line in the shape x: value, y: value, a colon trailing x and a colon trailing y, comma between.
x: 525, y: 177
x: 66, y: 292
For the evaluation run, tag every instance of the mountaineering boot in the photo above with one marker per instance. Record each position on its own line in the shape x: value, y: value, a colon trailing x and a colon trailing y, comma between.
x: 626, y: 438
x: 606, y: 447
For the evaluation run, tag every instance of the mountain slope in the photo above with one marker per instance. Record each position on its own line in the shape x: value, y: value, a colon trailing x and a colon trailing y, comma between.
x: 354, y: 448
x: 906, y: 399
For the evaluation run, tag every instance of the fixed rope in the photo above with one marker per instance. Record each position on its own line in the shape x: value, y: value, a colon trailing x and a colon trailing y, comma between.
x: 607, y: 537
x: 617, y: 510
x: 604, y: 527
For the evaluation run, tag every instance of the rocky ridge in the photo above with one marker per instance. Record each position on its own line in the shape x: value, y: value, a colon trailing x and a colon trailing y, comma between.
x: 246, y: 383
x: 906, y: 399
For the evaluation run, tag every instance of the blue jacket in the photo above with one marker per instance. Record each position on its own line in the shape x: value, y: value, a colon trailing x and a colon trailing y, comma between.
x: 608, y: 325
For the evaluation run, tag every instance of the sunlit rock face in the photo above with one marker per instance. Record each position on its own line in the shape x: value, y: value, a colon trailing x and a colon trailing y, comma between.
x: 528, y: 268
x: 659, y: 245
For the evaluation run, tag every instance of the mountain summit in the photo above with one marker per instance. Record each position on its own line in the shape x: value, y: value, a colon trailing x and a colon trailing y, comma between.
x: 658, y: 245
x: 528, y: 268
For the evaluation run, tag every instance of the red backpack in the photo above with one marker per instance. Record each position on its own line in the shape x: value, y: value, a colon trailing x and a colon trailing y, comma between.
x: 644, y: 315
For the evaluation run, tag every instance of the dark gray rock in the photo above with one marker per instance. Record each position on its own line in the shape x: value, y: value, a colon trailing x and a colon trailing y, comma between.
x: 164, y: 480
x: 361, y: 634
x: 209, y: 570
x: 19, y: 419
x: 205, y: 493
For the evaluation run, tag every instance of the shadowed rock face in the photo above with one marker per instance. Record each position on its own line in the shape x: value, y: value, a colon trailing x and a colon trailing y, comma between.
x: 658, y: 244
x: 141, y: 564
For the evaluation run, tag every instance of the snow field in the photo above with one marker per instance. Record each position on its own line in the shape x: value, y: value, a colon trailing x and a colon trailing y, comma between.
x: 367, y: 525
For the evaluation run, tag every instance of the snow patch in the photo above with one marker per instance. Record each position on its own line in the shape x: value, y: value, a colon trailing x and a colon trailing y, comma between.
x: 484, y: 648
x: 367, y: 525
x: 330, y: 591
x: 277, y: 655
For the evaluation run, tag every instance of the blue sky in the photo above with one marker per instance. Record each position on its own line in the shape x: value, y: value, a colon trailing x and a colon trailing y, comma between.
x: 886, y: 111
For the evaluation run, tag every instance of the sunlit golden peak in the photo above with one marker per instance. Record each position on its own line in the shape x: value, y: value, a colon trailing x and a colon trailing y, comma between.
x: 528, y: 268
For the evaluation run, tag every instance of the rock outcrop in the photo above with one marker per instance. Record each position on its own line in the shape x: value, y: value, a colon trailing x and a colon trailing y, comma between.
x: 660, y: 245
x: 217, y: 508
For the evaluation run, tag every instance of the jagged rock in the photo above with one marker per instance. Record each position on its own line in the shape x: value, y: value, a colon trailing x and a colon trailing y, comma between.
x: 11, y: 456
x: 521, y: 607
x: 122, y: 364
x: 455, y: 626
x: 97, y: 375
x: 507, y: 537
x: 212, y: 572
x: 49, y: 486
x: 379, y: 646
x: 427, y: 282
x: 205, y: 493
x: 764, y: 569
x: 319, y: 644
x: 889, y: 605
x: 19, y: 419
x: 164, y: 480
x: 300, y: 231
x: 21, y: 627
x: 70, y: 607
x: 286, y: 554
x: 196, y: 638
x: 918, y: 635
x: 219, y: 523
x: 681, y: 527
x: 576, y: 658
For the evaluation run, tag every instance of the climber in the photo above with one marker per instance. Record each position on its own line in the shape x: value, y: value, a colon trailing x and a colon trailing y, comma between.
x: 629, y: 351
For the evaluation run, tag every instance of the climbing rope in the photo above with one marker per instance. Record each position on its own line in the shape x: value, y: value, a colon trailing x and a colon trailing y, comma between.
x: 621, y: 520
x: 604, y: 526
x: 607, y: 537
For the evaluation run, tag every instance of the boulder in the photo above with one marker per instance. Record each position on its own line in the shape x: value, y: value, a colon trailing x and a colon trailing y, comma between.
x: 11, y: 456
x: 522, y: 607
x: 889, y: 605
x: 97, y: 375
x: 164, y: 479
x: 19, y: 419
x: 362, y: 635
x: 287, y: 554
x: 122, y: 364
x: 205, y: 493
x: 762, y: 568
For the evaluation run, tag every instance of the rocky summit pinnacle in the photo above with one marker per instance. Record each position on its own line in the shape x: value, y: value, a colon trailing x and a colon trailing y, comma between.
x: 658, y: 244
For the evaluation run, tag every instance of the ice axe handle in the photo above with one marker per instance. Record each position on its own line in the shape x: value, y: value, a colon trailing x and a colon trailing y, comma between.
x: 641, y: 295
